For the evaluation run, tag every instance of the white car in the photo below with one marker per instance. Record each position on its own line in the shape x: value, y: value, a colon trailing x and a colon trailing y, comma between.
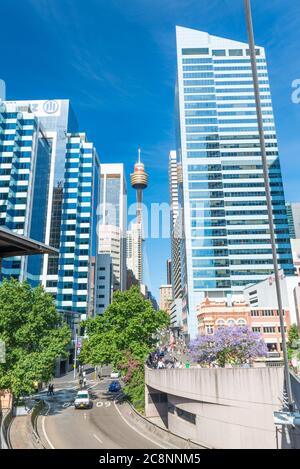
x: 83, y: 400
x: 115, y: 374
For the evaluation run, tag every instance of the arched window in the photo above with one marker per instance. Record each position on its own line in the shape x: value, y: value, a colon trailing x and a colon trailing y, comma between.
x: 220, y: 323
x: 230, y: 322
x: 242, y: 322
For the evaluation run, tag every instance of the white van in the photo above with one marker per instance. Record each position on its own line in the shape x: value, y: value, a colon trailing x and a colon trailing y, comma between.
x: 83, y: 400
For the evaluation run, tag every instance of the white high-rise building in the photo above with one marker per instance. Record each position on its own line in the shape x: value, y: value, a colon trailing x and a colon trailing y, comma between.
x: 113, y: 221
x: 226, y: 243
x: 134, y: 251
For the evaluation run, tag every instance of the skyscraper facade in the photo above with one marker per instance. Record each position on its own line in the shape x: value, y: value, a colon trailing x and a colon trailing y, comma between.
x: 24, y: 153
x: 293, y: 214
x: 226, y: 241
x: 134, y: 249
x: 103, y: 283
x: 48, y: 190
x: 78, y: 243
x: 175, y: 231
x: 113, y: 220
x: 169, y: 271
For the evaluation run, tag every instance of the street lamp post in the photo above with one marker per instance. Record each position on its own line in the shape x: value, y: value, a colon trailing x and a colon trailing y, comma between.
x: 268, y: 197
x: 75, y: 356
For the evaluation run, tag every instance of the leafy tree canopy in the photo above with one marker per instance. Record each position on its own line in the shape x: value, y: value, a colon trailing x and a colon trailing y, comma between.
x: 128, y: 326
x: 33, y: 334
x: 293, y: 342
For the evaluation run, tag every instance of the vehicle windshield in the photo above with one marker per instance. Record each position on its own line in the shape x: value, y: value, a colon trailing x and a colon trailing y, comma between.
x: 82, y: 395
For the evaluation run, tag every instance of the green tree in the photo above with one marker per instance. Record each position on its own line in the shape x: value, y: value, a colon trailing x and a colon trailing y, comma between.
x: 123, y: 337
x: 293, y: 337
x: 34, y: 336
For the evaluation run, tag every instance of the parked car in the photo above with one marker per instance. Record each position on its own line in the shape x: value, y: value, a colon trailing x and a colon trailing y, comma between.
x: 83, y: 400
x: 115, y: 374
x: 114, y: 386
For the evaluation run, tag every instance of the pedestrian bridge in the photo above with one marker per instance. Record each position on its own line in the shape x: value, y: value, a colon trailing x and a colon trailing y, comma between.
x: 217, y: 407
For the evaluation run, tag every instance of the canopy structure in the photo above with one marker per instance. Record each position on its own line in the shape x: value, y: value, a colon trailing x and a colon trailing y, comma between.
x: 12, y: 244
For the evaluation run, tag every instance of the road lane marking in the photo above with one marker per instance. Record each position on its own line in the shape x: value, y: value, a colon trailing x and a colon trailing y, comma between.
x: 97, y: 438
x: 44, y: 429
x: 103, y: 404
x: 137, y: 431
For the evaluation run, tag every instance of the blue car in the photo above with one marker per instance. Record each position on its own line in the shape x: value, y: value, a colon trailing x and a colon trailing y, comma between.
x: 114, y: 386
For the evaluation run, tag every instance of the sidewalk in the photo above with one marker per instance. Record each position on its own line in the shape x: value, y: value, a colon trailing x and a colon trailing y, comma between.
x: 20, y: 435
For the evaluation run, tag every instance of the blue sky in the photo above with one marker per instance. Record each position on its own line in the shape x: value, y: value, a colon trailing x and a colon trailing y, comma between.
x: 116, y: 61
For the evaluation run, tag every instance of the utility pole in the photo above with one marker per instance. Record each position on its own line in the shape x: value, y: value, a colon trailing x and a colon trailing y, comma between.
x: 75, y: 356
x: 268, y: 198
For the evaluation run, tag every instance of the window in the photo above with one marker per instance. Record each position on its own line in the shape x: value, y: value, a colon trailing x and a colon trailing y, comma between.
x: 202, y: 51
x: 220, y: 323
x: 242, y: 322
x: 256, y: 329
x: 209, y: 330
x: 235, y: 52
x: 219, y: 53
x: 268, y: 312
x: 269, y: 330
x: 230, y: 322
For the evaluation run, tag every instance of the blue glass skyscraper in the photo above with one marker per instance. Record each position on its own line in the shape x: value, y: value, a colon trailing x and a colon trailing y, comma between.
x: 226, y: 243
x: 79, y: 224
x: 49, y: 181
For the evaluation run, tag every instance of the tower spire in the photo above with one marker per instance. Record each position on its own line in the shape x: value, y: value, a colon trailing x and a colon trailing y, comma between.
x: 139, y: 153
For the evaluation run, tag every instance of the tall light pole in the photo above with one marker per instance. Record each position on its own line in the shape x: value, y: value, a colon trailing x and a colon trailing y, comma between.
x: 268, y: 197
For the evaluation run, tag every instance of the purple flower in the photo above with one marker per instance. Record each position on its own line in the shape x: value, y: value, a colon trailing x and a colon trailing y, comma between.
x: 228, y: 345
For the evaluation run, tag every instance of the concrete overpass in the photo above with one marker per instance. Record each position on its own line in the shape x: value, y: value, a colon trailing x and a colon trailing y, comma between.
x: 217, y: 408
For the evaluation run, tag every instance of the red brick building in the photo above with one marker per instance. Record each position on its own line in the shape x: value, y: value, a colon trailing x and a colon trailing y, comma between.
x: 213, y: 314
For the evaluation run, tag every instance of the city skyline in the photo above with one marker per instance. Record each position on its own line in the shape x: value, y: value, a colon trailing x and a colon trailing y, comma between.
x: 88, y: 60
x: 149, y: 228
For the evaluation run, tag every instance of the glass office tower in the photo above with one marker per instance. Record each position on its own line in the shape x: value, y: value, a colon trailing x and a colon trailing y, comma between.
x: 113, y: 220
x: 38, y: 179
x: 226, y: 243
x: 78, y: 243
x: 25, y: 155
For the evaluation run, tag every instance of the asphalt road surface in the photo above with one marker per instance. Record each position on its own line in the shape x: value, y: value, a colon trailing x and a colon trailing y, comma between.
x: 101, y: 427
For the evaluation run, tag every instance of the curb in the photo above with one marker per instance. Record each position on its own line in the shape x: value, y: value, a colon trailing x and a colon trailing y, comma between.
x: 163, y: 434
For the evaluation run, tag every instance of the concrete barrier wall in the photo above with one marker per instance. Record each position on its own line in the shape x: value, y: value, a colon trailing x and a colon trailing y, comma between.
x: 230, y: 408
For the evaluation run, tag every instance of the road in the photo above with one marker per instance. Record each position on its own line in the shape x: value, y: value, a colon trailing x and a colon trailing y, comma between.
x: 101, y: 427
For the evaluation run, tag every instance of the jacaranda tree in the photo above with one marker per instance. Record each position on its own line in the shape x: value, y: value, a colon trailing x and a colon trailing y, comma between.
x: 228, y: 345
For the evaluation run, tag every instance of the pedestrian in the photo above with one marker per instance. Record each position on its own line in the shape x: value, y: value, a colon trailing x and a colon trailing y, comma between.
x: 49, y: 390
x: 52, y: 389
x: 160, y: 364
x: 84, y: 382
